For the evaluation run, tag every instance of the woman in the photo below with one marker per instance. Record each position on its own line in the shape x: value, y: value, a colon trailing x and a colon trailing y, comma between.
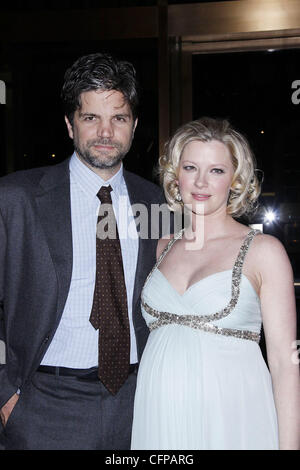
x: 202, y: 382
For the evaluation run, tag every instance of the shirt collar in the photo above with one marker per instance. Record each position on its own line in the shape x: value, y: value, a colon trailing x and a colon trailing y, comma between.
x: 89, y: 181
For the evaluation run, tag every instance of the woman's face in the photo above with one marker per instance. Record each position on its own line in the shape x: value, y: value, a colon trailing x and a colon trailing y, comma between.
x: 205, y: 176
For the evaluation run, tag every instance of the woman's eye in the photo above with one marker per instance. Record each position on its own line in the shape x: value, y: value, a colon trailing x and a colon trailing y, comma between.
x: 219, y: 171
x: 188, y: 167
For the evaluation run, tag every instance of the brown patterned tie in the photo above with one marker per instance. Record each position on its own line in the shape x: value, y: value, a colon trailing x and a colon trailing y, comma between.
x: 109, y: 312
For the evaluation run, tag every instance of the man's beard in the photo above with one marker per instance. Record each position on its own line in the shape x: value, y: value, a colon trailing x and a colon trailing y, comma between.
x: 102, y: 160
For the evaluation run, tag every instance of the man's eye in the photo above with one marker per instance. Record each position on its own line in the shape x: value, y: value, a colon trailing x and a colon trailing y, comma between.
x: 89, y: 118
x: 120, y: 118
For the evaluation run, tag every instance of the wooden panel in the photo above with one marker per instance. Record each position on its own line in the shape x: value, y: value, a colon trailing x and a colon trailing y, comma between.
x: 208, y: 20
x: 232, y: 17
x: 201, y: 19
x: 196, y: 46
x: 163, y: 75
x: 187, y: 87
x: 104, y: 23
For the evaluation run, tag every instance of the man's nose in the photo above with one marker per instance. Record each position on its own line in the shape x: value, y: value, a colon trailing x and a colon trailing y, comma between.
x: 105, y: 129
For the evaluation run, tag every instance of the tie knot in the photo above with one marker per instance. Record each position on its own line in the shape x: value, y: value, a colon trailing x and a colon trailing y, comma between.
x: 104, y: 194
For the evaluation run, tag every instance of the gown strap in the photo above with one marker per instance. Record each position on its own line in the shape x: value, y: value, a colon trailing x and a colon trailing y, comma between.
x: 163, y: 254
x: 203, y: 321
x: 168, y: 247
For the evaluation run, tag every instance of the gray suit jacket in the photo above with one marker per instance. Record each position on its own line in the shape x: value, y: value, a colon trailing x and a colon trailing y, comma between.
x: 36, y: 264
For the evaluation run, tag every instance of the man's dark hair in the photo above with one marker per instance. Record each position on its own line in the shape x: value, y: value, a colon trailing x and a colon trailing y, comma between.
x: 98, y: 71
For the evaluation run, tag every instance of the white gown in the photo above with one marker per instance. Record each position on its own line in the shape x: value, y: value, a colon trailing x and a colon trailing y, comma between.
x: 202, y: 381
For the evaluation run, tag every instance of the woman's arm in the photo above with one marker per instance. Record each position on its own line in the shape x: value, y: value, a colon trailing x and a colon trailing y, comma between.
x: 279, y: 319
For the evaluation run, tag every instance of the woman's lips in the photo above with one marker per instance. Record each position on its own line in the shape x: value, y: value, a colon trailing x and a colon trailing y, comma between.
x: 201, y: 197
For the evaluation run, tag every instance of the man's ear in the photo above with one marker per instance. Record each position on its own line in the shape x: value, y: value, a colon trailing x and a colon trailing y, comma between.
x: 134, y: 126
x: 69, y: 127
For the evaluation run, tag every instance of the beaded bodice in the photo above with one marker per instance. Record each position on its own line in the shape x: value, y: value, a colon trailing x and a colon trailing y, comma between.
x: 204, y: 321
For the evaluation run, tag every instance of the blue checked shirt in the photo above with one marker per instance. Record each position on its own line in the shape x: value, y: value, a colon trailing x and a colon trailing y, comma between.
x: 75, y: 343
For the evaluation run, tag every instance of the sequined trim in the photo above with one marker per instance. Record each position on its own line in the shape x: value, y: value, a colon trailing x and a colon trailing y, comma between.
x: 202, y: 321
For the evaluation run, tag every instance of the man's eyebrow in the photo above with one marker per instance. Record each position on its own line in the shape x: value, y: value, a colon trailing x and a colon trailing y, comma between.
x: 87, y: 114
x: 125, y: 115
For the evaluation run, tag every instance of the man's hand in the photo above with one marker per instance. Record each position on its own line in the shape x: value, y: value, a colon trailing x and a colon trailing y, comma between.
x: 7, y: 408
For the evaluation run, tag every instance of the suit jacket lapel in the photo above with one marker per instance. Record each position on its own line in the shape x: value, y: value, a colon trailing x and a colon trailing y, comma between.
x: 54, y: 209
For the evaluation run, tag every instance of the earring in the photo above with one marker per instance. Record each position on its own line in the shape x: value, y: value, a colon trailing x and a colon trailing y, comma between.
x: 177, y: 196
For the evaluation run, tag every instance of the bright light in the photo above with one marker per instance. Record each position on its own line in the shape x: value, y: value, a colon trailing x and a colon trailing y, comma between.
x: 270, y: 216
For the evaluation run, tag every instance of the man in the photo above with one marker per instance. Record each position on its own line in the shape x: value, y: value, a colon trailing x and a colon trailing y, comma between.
x: 57, y: 389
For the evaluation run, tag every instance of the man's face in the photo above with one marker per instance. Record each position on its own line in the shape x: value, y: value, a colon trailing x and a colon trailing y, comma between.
x: 102, y: 130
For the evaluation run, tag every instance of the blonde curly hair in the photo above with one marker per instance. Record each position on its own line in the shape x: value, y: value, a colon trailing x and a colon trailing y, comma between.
x: 245, y: 186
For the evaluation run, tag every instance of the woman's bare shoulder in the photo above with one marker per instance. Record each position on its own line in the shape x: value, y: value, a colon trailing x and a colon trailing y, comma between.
x: 269, y: 252
x: 268, y: 242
